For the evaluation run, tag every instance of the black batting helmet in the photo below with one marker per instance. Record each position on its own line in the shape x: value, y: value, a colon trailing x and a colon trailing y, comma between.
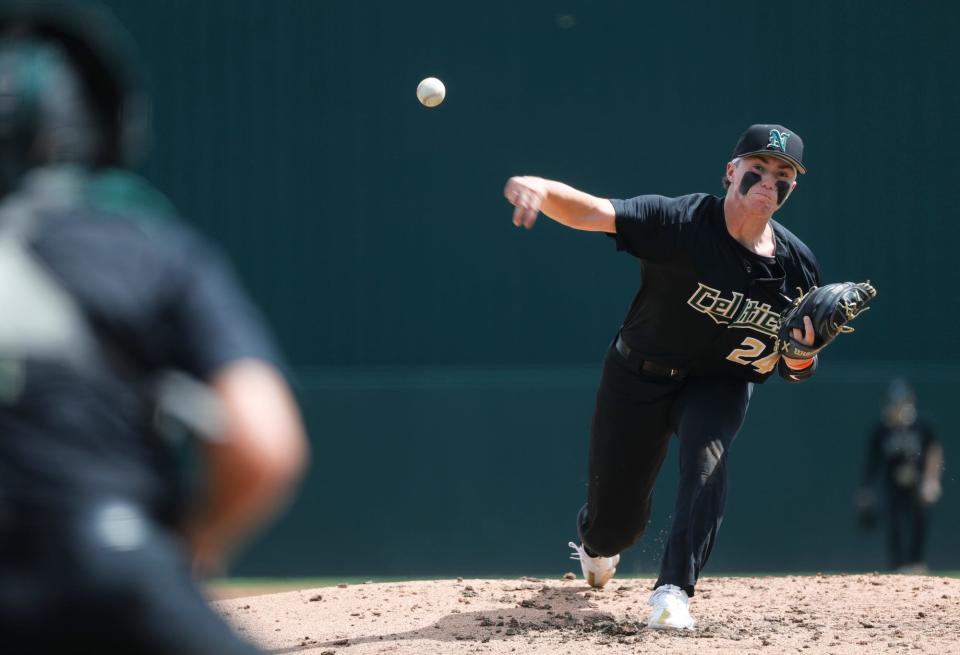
x: 70, y: 89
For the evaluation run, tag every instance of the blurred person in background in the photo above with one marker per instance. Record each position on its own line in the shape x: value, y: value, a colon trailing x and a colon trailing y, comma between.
x: 903, y: 450
x: 121, y: 330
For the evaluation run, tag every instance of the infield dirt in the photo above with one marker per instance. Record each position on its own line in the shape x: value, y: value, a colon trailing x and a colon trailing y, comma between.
x: 797, y: 614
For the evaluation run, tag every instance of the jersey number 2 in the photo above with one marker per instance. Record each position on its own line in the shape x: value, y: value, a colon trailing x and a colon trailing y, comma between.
x: 749, y: 354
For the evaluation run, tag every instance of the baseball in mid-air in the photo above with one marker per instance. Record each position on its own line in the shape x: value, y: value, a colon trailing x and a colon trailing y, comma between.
x: 431, y: 92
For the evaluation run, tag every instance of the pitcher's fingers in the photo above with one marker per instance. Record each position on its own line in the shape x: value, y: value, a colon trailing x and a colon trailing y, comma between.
x: 510, y: 190
x: 518, y: 215
x: 530, y: 217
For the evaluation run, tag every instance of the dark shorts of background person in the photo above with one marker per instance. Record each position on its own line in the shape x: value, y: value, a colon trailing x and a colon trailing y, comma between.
x: 636, y: 414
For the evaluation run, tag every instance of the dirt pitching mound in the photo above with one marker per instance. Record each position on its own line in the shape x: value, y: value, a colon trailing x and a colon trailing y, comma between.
x: 822, y: 614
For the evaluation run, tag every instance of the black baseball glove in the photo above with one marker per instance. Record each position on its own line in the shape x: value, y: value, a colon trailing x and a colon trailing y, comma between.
x: 830, y: 308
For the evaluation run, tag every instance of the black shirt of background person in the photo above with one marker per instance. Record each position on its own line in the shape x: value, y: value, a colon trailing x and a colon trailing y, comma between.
x: 159, y: 298
x: 900, y: 454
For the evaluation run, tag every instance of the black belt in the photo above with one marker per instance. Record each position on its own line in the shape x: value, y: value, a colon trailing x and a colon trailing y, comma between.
x: 647, y: 366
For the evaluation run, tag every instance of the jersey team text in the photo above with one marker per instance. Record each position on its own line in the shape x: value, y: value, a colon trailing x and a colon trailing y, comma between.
x: 736, y: 312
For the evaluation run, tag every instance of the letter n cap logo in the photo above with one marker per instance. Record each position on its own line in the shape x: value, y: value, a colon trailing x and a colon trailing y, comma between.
x: 778, y: 140
x: 773, y: 139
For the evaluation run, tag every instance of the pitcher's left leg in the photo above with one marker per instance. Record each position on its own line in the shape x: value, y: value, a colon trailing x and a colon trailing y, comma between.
x: 709, y: 415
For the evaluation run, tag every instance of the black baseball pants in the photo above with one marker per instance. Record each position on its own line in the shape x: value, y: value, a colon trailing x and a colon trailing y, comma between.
x: 908, y: 526
x: 635, y: 416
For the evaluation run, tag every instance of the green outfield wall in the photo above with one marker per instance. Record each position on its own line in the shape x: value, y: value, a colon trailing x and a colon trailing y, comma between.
x: 447, y: 362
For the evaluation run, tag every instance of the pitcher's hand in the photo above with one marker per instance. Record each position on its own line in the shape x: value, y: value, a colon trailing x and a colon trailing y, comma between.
x: 806, y: 339
x: 527, y: 195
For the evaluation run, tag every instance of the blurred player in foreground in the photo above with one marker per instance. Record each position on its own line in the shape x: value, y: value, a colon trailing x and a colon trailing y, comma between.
x: 903, y: 449
x: 114, y: 329
x: 717, y: 272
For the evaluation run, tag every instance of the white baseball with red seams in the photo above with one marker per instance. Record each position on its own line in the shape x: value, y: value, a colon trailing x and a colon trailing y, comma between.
x: 431, y: 92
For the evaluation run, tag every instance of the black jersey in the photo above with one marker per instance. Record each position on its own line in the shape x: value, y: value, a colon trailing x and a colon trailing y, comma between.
x: 899, y: 452
x: 707, y: 304
x: 158, y: 298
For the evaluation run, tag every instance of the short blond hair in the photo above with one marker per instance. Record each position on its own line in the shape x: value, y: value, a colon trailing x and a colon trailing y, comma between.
x: 725, y: 181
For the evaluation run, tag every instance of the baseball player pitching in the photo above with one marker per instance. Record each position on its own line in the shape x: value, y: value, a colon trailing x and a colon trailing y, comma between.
x: 717, y: 312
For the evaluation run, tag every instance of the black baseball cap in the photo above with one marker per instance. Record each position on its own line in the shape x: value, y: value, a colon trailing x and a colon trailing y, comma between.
x: 773, y: 141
